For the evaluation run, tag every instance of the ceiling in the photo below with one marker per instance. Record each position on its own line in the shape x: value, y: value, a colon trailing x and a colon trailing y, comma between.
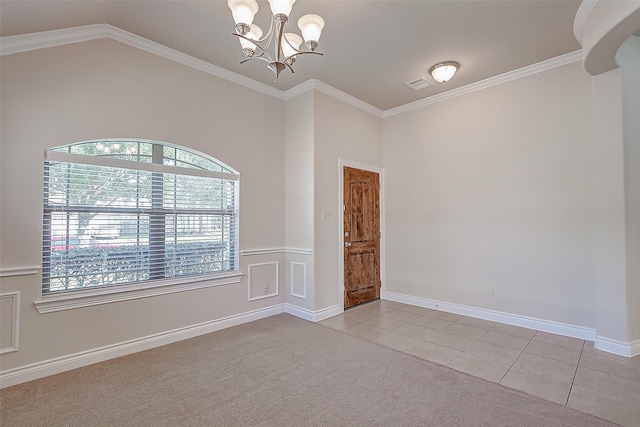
x: 371, y: 48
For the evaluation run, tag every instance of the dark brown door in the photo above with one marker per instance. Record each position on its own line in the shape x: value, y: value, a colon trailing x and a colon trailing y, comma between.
x: 361, y: 236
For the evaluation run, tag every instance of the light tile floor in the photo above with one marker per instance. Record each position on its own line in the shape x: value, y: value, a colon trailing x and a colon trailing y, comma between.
x: 561, y: 369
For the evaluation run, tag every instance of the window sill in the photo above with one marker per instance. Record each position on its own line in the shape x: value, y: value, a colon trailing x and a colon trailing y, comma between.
x: 90, y: 297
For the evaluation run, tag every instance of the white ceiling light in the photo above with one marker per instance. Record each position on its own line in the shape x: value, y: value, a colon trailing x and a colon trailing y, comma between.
x: 286, y: 47
x: 444, y: 71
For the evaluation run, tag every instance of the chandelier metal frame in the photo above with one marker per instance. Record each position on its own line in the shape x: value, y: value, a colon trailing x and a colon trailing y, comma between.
x: 285, y: 51
x: 280, y: 62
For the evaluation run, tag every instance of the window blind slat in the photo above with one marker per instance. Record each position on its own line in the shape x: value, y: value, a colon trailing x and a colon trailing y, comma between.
x: 107, y: 225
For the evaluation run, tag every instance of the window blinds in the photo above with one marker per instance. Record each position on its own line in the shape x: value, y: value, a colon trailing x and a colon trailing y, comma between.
x: 110, y: 221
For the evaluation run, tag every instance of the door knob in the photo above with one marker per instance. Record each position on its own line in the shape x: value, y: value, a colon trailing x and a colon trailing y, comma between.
x: 347, y: 244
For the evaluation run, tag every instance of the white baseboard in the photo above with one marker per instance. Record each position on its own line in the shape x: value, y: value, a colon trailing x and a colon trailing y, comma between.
x: 313, y: 316
x: 65, y: 363
x: 629, y: 349
x: 551, y: 326
x: 57, y: 365
x: 622, y: 348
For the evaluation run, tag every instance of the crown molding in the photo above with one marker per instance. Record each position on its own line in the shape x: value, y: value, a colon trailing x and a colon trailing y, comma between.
x: 335, y: 93
x: 28, y: 42
x: 300, y: 89
x: 486, y: 83
x: 190, y: 61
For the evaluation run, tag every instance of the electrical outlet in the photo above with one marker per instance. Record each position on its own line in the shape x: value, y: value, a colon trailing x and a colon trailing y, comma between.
x: 266, y: 288
x: 490, y: 290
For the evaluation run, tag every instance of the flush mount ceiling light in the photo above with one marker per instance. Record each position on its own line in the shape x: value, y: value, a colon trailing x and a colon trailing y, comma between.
x: 286, y: 46
x: 444, y: 71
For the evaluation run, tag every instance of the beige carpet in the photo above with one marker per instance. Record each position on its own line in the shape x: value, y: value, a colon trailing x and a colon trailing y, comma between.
x: 279, y: 371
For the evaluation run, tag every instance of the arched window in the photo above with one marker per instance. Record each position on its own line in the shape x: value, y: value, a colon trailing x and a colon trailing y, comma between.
x: 131, y: 212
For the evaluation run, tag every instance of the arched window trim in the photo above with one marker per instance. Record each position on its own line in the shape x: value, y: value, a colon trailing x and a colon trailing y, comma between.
x: 61, y: 148
x: 151, y: 167
x: 155, y: 171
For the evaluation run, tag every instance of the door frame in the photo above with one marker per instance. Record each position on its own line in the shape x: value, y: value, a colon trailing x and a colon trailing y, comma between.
x: 342, y: 163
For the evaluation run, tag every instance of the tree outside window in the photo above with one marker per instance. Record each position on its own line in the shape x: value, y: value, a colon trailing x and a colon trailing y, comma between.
x: 130, y: 211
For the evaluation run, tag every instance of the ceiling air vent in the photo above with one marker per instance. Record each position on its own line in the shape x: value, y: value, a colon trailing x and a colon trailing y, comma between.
x: 418, y: 84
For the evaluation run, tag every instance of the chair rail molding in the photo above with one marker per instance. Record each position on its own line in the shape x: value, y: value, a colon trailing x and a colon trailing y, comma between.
x: 268, y: 251
x: 20, y: 271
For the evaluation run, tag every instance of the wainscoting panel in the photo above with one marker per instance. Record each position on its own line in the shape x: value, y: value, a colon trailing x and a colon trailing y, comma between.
x: 263, y: 280
x: 299, y: 279
x: 9, y: 321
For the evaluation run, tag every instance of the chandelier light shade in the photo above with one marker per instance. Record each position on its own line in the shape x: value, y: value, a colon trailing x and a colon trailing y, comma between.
x: 243, y: 12
x: 291, y: 45
x: 311, y: 27
x: 249, y: 47
x: 444, y: 71
x: 285, y: 47
x: 281, y: 7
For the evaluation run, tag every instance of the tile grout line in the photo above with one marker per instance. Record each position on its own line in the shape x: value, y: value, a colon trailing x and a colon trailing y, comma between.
x: 633, y: 402
x: 419, y: 341
x: 516, y: 359
x: 573, y: 380
x: 600, y: 391
x: 614, y: 361
x: 611, y: 356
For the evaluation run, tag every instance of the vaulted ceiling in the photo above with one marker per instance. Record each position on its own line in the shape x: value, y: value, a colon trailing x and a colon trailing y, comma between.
x: 371, y: 48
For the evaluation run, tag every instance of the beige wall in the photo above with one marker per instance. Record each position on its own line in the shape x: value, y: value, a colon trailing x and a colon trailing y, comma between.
x: 629, y: 59
x: 605, y: 31
x: 609, y: 231
x: 320, y: 130
x: 104, y: 89
x: 495, y: 189
x: 299, y: 199
x: 341, y: 131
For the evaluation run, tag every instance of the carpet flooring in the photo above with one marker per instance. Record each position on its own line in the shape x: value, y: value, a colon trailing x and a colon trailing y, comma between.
x: 278, y: 371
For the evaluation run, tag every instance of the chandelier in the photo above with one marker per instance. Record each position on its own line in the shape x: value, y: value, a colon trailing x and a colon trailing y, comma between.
x: 286, y: 46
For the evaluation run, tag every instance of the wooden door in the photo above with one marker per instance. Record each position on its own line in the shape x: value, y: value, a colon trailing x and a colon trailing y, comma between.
x: 361, y: 236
